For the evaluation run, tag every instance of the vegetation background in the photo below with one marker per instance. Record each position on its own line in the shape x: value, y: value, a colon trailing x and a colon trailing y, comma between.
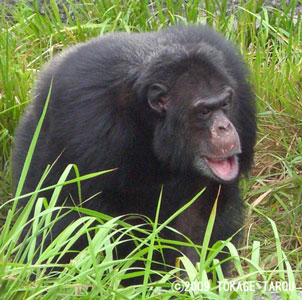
x: 269, y: 39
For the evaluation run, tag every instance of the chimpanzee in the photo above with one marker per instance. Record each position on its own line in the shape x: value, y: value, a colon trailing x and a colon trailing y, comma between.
x: 171, y: 108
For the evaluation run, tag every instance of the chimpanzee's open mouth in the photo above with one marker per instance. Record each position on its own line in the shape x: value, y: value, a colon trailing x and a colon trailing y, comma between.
x: 225, y: 169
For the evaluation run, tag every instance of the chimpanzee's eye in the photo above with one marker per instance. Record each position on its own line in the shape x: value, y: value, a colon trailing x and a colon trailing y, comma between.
x: 226, y: 102
x: 205, y: 111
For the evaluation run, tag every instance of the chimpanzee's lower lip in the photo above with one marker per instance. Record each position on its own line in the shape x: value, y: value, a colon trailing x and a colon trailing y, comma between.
x: 225, y: 169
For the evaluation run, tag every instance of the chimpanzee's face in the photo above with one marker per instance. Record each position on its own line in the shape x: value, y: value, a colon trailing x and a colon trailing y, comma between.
x: 196, y: 130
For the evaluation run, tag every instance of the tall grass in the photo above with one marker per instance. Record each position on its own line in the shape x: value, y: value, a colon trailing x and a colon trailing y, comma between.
x: 270, y: 41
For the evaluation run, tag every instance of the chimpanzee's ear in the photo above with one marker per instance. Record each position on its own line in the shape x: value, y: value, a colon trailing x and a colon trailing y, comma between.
x: 157, y: 97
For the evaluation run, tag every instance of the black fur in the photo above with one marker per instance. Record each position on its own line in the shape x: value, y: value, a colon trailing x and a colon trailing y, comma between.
x: 99, y: 118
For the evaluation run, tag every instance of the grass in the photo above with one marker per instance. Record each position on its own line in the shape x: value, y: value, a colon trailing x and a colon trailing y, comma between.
x: 270, y: 41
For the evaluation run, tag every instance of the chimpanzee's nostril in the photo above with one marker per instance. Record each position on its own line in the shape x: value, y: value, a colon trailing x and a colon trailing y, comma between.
x: 224, y: 127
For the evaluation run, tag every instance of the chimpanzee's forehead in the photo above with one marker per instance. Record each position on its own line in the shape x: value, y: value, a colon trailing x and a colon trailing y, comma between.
x: 201, y: 83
